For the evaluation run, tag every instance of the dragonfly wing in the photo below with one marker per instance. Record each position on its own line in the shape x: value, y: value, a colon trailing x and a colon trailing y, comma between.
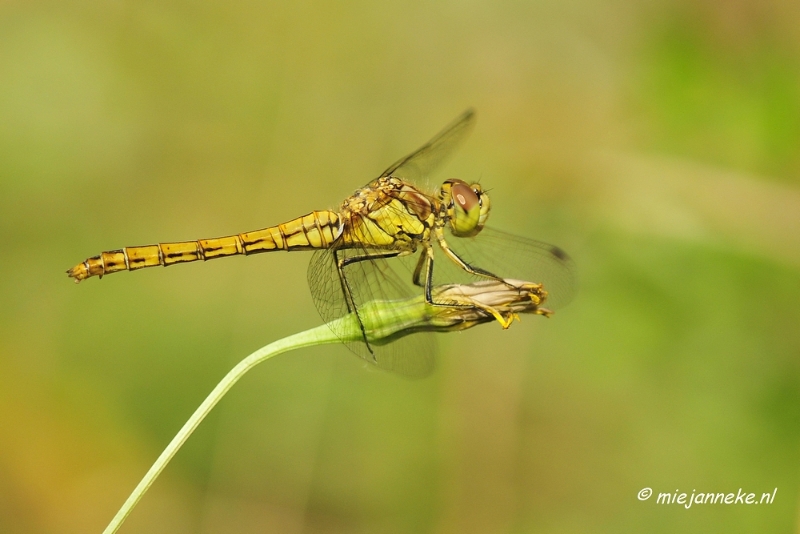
x: 419, y: 164
x: 514, y: 257
x: 369, y: 280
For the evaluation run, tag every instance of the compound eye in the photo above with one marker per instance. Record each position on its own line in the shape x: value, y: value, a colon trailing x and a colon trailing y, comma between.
x: 464, y: 197
x: 465, y: 210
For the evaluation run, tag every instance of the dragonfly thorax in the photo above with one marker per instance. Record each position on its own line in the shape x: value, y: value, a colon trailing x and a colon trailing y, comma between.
x: 388, y: 213
x: 466, y: 206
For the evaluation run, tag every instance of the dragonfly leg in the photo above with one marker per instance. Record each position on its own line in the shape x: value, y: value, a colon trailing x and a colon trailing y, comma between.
x: 348, y: 297
x: 505, y: 322
x: 460, y: 262
x: 418, y: 270
x: 342, y: 263
x: 428, y: 256
x: 348, y: 293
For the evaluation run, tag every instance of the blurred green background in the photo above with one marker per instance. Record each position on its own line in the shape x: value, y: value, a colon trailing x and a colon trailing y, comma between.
x: 656, y: 142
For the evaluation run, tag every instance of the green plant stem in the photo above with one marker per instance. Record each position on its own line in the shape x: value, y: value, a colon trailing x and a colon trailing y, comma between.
x: 377, y: 322
x: 320, y: 335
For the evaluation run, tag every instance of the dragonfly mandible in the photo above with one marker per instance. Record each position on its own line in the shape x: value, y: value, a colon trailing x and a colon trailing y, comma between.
x: 394, y: 220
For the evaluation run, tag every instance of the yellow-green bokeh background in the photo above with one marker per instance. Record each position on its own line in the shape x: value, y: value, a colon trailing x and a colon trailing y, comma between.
x: 657, y: 142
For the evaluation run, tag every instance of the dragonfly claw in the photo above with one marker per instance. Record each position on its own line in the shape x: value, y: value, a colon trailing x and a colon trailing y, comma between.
x: 505, y: 322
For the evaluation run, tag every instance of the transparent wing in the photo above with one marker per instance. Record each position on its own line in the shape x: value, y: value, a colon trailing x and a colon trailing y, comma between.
x: 419, y: 164
x: 369, y: 280
x: 510, y: 256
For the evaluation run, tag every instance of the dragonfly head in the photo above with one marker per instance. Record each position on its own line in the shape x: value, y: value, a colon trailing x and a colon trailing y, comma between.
x: 467, y: 206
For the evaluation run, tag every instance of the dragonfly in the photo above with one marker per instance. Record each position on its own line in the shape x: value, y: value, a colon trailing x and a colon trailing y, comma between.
x: 393, y: 239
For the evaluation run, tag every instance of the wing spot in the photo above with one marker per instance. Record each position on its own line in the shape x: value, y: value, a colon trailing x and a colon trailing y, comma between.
x: 559, y: 253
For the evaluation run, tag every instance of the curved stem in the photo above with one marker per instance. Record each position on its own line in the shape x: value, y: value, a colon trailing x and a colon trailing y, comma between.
x: 378, y: 322
x: 320, y: 335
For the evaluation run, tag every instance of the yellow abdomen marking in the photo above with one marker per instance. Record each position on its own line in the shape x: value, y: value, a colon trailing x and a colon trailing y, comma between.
x: 318, y: 229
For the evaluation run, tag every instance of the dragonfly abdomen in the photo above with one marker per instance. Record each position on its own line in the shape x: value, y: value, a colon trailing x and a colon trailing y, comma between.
x: 318, y: 229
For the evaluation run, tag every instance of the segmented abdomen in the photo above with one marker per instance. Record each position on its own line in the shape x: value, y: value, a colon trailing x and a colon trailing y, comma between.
x: 318, y: 229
